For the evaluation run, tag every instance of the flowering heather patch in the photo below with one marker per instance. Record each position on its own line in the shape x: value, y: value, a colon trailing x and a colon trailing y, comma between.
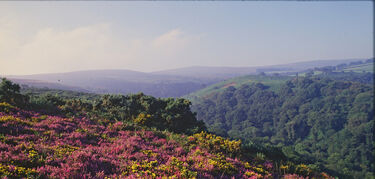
x: 40, y: 146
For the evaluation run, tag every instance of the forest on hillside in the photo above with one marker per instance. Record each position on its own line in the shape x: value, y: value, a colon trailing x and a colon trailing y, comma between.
x: 77, y: 135
x: 326, y: 120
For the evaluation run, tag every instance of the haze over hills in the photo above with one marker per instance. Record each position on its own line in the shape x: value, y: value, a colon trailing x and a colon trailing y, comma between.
x: 123, y: 81
x: 167, y: 83
x: 44, y: 84
x: 209, y: 72
x: 187, y: 90
x: 229, y: 72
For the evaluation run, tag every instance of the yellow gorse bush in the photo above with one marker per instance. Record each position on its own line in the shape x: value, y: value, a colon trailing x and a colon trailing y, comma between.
x: 251, y: 173
x: 151, y: 169
x: 258, y: 169
x: 221, y: 165
x: 149, y: 153
x: 303, y: 169
x: 64, y: 150
x: 17, y: 172
x: 142, y: 118
x: 39, y: 118
x: 177, y: 164
x: 216, y: 143
x: 142, y: 169
x: 32, y: 154
x: 6, y: 107
x: 4, y: 119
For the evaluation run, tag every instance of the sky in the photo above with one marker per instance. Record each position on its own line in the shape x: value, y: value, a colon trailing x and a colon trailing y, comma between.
x: 52, y: 36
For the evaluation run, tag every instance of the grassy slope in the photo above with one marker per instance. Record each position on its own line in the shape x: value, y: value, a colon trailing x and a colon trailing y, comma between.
x: 272, y: 81
x: 368, y: 67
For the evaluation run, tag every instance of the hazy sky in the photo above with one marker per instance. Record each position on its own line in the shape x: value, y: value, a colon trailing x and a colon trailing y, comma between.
x: 42, y: 37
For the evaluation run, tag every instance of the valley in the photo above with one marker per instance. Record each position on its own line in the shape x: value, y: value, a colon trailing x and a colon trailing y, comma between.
x: 286, y: 118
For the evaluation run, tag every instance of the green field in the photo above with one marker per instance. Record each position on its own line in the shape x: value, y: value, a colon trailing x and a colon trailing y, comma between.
x: 368, y: 67
x: 272, y: 81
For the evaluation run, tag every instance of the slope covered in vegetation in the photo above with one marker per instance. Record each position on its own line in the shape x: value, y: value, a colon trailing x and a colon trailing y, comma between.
x: 272, y: 81
x: 133, y: 136
x: 322, y: 121
x: 356, y: 71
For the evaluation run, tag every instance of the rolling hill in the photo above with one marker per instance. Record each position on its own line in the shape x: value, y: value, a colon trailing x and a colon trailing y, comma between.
x: 272, y: 81
x: 325, y: 119
x: 230, y: 72
x: 168, y: 83
x: 26, y: 83
x: 121, y: 81
x: 367, y: 67
x: 358, y: 71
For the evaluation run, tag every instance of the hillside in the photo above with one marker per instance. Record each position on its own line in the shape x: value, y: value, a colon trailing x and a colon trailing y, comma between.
x: 357, y: 71
x: 168, y: 83
x: 26, y: 83
x: 121, y: 82
x: 209, y: 72
x: 273, y: 81
x: 230, y: 72
x: 367, y: 67
x: 361, y: 66
x: 117, y: 136
x: 326, y: 121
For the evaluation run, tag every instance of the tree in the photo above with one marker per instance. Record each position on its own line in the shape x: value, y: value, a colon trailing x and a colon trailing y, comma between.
x: 10, y: 93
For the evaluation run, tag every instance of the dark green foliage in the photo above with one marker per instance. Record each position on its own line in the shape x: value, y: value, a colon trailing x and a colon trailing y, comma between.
x: 324, y: 121
x: 10, y: 93
x: 46, y: 103
x: 51, y: 101
x: 171, y: 114
x: 164, y: 114
x: 64, y: 94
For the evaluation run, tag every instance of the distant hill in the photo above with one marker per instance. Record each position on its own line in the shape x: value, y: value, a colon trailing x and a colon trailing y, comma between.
x: 120, y: 81
x: 168, y: 83
x: 209, y: 72
x: 299, y: 66
x: 25, y: 83
x: 230, y: 72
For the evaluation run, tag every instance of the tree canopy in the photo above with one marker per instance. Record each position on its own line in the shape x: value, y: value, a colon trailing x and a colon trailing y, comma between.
x: 327, y: 121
